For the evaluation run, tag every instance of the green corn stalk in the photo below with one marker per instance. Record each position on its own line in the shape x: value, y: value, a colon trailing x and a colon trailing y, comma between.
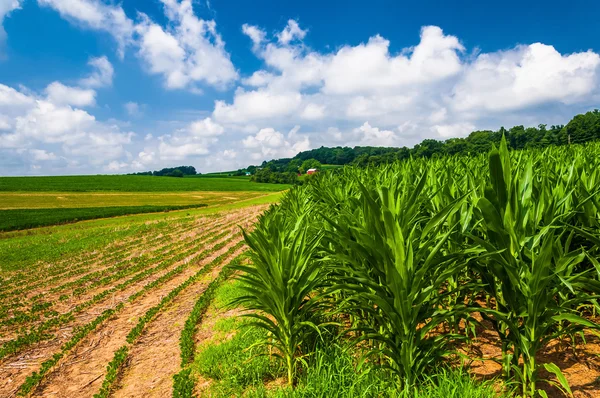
x: 392, y: 267
x: 529, y: 266
x: 281, y: 284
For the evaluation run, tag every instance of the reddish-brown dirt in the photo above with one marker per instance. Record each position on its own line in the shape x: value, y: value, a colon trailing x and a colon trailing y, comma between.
x: 582, y: 370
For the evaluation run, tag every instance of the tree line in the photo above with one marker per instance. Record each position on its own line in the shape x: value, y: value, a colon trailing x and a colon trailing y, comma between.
x: 582, y: 128
x: 179, y: 171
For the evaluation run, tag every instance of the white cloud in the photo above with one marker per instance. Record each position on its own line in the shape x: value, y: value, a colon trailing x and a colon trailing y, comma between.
x: 42, y: 155
x: 193, y: 140
x: 453, y: 130
x: 373, y: 136
x: 133, y: 109
x: 94, y: 14
x: 256, y: 105
x: 313, y: 112
x: 255, y: 34
x: 33, y: 123
x: 526, y: 76
x: 204, y: 128
x: 188, y: 51
x: 101, y: 76
x: 269, y: 144
x: 59, y: 94
x: 429, y: 90
x: 291, y: 32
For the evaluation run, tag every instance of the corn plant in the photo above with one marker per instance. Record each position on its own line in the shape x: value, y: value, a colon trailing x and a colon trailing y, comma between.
x: 392, y: 267
x: 281, y: 284
x: 529, y: 265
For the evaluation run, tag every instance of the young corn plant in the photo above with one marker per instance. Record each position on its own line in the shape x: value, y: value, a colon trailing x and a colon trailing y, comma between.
x: 529, y: 268
x: 389, y: 260
x: 281, y: 284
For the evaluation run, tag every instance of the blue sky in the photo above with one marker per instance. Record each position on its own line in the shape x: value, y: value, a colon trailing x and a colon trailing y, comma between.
x: 98, y: 86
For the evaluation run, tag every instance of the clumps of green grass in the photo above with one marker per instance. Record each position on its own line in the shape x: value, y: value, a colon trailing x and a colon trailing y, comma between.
x: 239, y: 367
x: 238, y: 363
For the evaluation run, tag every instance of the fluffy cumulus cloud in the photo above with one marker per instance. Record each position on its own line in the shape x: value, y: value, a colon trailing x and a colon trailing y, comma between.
x: 269, y: 144
x: 60, y: 94
x: 195, y: 139
x: 50, y: 131
x: 526, y: 76
x: 366, y: 95
x: 102, y: 74
x: 186, y: 52
x: 189, y: 50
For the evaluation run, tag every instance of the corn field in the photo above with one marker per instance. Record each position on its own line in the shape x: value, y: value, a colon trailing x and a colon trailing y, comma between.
x: 407, y: 260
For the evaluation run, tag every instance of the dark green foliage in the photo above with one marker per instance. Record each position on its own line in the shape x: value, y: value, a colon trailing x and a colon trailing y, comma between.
x: 16, y: 219
x: 408, y: 251
x: 309, y: 164
x: 266, y: 175
x: 179, y: 171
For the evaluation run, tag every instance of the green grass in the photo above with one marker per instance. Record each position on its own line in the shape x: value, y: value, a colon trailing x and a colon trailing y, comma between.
x: 131, y: 183
x: 15, y: 219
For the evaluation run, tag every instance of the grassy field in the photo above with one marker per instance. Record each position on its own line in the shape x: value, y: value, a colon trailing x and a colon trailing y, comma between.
x: 17, y: 219
x: 132, y: 183
x: 27, y: 202
x: 40, y: 200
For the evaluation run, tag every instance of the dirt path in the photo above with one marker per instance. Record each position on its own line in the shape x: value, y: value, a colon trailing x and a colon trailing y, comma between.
x: 13, y: 371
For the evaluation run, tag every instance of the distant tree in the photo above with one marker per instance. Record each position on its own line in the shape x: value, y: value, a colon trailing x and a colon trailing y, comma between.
x: 310, y: 164
x: 175, y: 173
x: 294, y: 166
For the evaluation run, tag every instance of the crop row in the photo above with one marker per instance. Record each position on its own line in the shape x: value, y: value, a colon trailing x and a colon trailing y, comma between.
x: 72, y: 266
x: 41, y: 332
x: 183, y: 383
x: 127, y: 270
x: 115, y: 366
x: 36, y: 378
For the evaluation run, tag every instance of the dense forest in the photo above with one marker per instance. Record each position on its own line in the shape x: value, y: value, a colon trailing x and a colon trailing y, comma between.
x: 582, y: 128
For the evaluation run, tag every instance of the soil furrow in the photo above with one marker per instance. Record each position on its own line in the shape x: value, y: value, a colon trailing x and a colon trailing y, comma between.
x: 62, y: 306
x: 82, y: 372
x: 159, y: 345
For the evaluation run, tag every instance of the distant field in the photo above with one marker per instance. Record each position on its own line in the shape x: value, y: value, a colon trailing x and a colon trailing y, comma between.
x: 127, y: 183
x: 16, y: 219
x: 64, y: 200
